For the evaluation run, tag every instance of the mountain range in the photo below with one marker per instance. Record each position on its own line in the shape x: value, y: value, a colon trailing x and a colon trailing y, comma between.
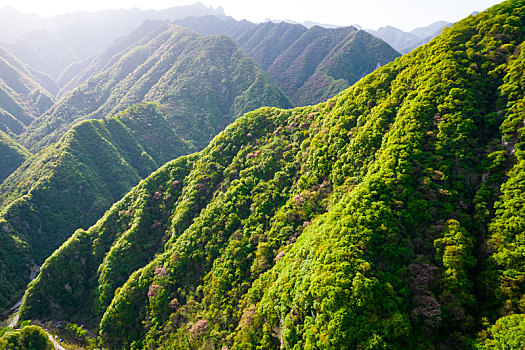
x: 208, y: 78
x: 198, y: 84
x: 308, y: 64
x: 368, y: 221
x: 166, y: 193
x: 50, y: 44
x: 24, y: 93
x: 66, y: 185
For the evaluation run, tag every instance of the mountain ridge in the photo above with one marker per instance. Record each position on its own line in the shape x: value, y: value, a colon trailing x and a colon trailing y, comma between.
x: 200, y: 85
x: 404, y: 42
x: 141, y: 73
x: 73, y: 30
x: 23, y: 96
x: 293, y: 52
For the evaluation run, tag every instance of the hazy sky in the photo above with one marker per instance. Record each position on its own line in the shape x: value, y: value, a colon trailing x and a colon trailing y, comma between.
x: 404, y: 14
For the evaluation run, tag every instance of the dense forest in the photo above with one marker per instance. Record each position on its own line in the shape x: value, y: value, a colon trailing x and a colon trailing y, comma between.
x: 12, y: 155
x: 66, y: 185
x: 28, y: 337
x: 199, y: 85
x: 390, y: 216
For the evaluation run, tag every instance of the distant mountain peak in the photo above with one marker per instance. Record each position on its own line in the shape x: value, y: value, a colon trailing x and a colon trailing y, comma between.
x: 403, y: 41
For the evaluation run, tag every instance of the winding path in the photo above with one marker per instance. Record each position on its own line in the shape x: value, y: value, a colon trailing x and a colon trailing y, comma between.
x: 55, y: 343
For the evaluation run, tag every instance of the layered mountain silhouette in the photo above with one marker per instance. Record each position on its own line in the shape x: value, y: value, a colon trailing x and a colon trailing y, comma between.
x: 404, y: 42
x: 205, y: 82
x: 308, y: 64
x: 51, y: 44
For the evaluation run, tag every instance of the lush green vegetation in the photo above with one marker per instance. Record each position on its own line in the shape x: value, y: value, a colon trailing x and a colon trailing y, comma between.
x: 11, y: 155
x: 391, y: 216
x: 27, y: 338
x: 23, y: 94
x: 69, y: 185
x: 81, y: 335
x: 203, y: 83
x: 133, y: 230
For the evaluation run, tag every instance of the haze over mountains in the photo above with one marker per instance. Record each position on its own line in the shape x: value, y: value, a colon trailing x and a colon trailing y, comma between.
x: 51, y: 44
x: 196, y: 184
x: 308, y: 64
x: 23, y: 96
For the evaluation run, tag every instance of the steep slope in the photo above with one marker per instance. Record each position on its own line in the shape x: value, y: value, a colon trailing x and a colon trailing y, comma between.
x: 323, y: 62
x: 11, y: 155
x: 70, y: 184
x: 22, y: 93
x: 204, y: 82
x: 308, y: 64
x: 363, y: 222
x: 266, y: 42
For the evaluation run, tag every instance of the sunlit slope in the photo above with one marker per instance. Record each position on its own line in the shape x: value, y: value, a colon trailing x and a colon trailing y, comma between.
x: 72, y: 183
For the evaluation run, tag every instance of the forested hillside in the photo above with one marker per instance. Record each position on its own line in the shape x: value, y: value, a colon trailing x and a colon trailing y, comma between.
x: 391, y: 216
x: 309, y: 64
x: 72, y: 183
x: 12, y: 155
x: 24, y: 93
x: 203, y: 82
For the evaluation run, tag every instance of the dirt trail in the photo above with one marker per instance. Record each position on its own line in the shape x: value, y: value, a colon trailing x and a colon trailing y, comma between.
x: 56, y: 344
